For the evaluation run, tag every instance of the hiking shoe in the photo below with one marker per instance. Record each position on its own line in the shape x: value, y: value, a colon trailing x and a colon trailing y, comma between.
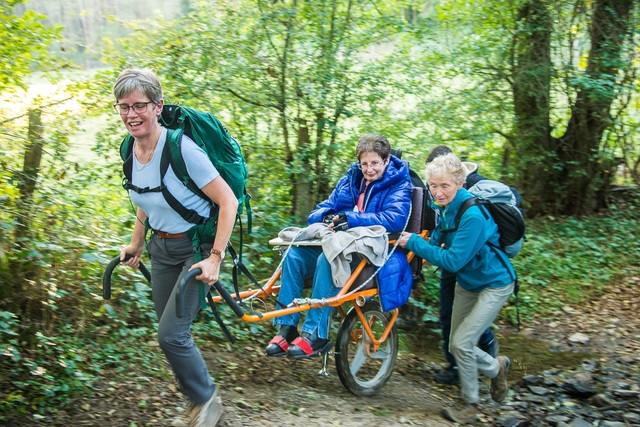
x: 491, y: 348
x: 207, y: 414
x: 448, y: 376
x: 499, y: 386
x: 279, y: 344
x: 461, y: 413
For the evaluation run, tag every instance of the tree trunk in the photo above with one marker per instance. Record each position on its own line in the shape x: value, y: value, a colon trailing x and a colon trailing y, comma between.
x: 20, y: 269
x: 531, y: 91
x: 587, y: 175
x: 303, y: 182
x: 28, y: 178
x: 566, y: 175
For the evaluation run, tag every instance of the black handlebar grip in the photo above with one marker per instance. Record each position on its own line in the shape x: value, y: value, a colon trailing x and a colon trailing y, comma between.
x: 181, y: 288
x: 106, y: 277
x: 229, y: 299
x: 219, y: 287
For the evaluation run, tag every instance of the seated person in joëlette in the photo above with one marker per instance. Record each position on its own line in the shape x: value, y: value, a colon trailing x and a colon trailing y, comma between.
x: 376, y: 191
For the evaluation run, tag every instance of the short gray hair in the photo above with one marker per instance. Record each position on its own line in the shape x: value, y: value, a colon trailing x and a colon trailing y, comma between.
x: 142, y: 80
x: 447, y: 166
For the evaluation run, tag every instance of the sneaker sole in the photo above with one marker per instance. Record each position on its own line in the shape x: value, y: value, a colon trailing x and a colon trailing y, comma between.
x: 219, y: 410
x: 316, y: 353
x: 445, y: 413
x: 202, y: 420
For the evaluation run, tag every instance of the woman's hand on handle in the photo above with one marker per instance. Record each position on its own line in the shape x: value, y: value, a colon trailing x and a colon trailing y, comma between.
x: 137, y: 242
x: 210, y: 269
x: 404, y: 239
x: 135, y: 253
x: 222, y: 195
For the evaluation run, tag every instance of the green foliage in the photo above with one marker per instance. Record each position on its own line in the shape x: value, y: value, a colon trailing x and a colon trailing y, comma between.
x: 275, y: 72
x: 23, y: 44
x: 571, y: 260
x: 449, y: 87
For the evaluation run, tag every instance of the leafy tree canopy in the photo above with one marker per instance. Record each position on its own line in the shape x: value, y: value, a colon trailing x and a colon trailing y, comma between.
x: 23, y: 44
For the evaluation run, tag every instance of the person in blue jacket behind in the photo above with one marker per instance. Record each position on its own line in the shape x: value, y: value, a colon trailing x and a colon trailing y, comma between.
x: 375, y: 191
x: 484, y: 282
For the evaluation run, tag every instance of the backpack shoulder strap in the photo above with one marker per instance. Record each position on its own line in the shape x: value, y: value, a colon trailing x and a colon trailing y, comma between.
x: 126, y: 154
x: 174, y: 142
x: 473, y: 201
x: 167, y: 158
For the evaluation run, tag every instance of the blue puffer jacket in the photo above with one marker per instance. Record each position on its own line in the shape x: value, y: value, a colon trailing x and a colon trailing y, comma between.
x: 395, y: 280
x: 467, y: 251
x: 387, y: 203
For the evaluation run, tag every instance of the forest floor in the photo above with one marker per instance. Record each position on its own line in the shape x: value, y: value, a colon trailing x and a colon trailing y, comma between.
x: 260, y: 391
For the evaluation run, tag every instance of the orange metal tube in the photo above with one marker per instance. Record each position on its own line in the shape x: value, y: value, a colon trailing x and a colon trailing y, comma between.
x: 342, y: 297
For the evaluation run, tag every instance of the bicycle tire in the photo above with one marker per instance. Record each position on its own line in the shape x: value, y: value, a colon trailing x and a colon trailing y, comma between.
x: 361, y: 370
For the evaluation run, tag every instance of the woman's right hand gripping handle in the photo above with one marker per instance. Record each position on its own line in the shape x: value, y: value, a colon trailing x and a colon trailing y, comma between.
x: 126, y: 259
x: 130, y: 256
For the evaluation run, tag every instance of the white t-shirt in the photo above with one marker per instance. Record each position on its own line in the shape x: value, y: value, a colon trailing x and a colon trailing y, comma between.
x: 161, y: 216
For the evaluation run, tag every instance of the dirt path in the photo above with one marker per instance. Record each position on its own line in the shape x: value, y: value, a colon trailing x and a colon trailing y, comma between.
x: 259, y: 391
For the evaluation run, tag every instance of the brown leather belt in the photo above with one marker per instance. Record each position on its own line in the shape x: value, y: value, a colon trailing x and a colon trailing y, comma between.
x: 163, y: 235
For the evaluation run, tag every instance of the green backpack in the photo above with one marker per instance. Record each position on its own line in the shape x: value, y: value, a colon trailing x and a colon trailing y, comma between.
x: 223, y: 151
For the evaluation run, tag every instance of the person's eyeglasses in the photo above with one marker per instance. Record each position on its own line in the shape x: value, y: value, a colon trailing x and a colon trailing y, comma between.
x: 138, y: 107
x: 373, y: 165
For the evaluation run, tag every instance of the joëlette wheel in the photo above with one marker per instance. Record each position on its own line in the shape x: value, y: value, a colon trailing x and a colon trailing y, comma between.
x: 362, y: 370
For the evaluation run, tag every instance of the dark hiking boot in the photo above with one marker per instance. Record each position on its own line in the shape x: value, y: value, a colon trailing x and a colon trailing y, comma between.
x: 448, y: 376
x: 492, y: 348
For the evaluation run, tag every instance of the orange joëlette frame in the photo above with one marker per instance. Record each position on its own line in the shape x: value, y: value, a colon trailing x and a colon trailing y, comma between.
x: 343, y: 296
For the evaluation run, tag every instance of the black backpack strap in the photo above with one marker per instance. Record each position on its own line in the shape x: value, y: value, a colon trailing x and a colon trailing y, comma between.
x: 239, y: 267
x: 224, y: 328
x: 188, y: 215
x: 127, y: 169
x: 516, y: 287
x: 474, y: 201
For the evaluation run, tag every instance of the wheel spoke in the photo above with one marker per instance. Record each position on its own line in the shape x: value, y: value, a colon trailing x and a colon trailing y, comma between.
x: 359, y: 358
x: 380, y: 354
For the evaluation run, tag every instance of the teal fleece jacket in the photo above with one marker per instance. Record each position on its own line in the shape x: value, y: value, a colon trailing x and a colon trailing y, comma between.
x: 467, y: 251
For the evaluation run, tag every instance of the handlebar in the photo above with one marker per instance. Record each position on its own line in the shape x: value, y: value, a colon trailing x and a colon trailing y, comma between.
x: 106, y: 277
x: 219, y: 287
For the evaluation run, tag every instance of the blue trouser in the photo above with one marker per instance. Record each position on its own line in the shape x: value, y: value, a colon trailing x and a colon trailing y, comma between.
x: 170, y: 260
x: 300, y: 264
x: 447, y: 292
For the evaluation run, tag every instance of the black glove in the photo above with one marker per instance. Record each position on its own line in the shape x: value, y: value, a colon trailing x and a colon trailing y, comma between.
x: 341, y: 223
x: 328, y: 219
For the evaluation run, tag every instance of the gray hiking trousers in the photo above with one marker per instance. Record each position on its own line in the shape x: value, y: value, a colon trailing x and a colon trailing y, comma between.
x: 473, y: 313
x: 170, y: 260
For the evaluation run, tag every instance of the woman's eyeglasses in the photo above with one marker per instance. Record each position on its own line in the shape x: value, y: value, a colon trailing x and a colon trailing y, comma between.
x: 138, y: 107
x: 373, y: 165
